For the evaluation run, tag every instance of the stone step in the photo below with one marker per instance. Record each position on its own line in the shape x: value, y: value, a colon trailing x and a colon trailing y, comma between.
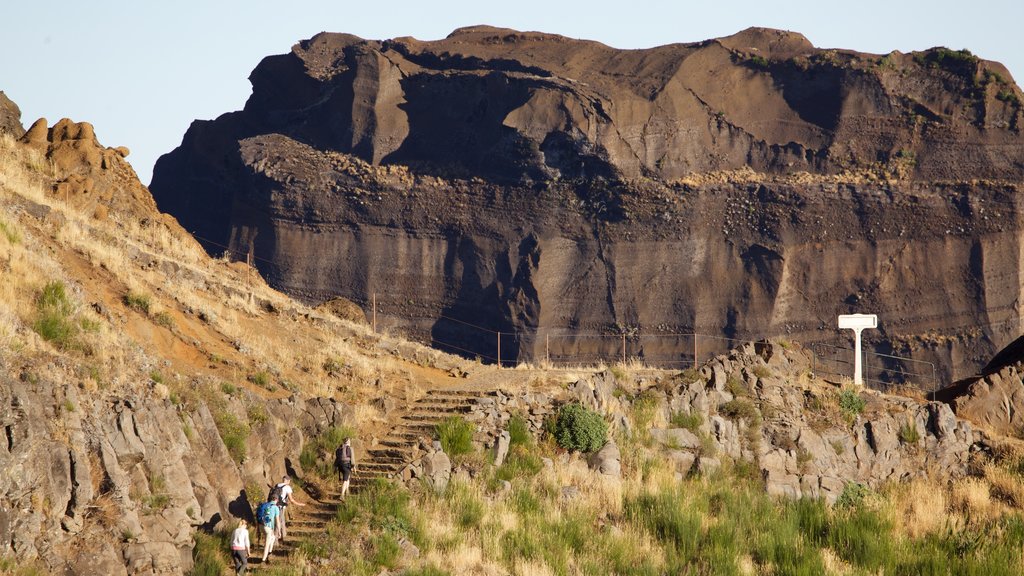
x: 443, y: 404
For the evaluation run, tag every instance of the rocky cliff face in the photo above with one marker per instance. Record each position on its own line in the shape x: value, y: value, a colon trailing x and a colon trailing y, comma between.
x: 530, y: 183
x: 115, y: 483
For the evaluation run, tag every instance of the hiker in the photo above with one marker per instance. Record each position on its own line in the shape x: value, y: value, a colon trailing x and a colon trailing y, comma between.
x: 344, y: 461
x: 285, y: 499
x: 240, y: 547
x: 267, y: 515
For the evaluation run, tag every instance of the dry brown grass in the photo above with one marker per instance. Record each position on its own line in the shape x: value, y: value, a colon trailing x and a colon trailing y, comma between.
x: 920, y: 507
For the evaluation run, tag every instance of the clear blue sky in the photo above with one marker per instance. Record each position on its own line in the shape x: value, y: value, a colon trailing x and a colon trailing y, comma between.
x: 142, y: 71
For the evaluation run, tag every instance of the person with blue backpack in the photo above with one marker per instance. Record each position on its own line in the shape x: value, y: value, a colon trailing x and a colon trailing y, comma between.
x: 267, y: 515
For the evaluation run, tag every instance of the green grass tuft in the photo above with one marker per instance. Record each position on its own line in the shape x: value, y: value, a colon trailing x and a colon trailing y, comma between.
x: 456, y: 435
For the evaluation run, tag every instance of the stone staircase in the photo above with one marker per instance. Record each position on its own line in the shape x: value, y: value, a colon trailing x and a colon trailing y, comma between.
x: 383, y: 460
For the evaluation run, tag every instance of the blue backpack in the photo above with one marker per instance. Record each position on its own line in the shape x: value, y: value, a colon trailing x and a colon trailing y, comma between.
x: 263, y: 513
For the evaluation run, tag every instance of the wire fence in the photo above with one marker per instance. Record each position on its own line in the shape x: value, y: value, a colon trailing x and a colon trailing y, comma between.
x: 563, y: 347
x: 880, y: 371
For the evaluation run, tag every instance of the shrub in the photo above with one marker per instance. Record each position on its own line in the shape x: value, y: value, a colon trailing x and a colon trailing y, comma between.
x: 228, y: 388
x: 853, y: 496
x: 1007, y: 95
x: 762, y: 371
x: 137, y: 301
x: 519, y: 431
x: 164, y: 319
x: 850, y: 402
x: 579, y: 429
x: 689, y: 376
x: 233, y: 432
x: 456, y: 435
x: 908, y: 433
x: 741, y: 409
x: 261, y: 379
x: 758, y: 62
x: 736, y: 387
x: 688, y: 420
x: 54, y: 323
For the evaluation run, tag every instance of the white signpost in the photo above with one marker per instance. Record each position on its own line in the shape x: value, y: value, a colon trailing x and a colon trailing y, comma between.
x: 857, y: 322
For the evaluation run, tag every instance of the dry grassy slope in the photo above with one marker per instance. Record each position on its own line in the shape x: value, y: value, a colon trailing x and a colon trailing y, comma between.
x: 74, y: 211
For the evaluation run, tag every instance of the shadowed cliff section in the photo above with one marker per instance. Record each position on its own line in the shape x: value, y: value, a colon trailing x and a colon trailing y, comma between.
x: 743, y: 186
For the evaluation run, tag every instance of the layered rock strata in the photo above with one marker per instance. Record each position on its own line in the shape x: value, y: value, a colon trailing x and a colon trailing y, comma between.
x: 533, y: 184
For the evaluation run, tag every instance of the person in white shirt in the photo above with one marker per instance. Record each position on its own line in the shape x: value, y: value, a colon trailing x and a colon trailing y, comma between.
x: 287, y: 499
x: 240, y: 547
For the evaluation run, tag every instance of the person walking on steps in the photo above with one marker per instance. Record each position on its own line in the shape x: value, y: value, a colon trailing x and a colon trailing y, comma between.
x: 267, y: 515
x: 285, y: 499
x: 240, y: 547
x: 344, y: 462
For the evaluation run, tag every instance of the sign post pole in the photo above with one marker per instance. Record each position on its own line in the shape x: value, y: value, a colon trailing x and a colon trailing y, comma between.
x: 857, y: 323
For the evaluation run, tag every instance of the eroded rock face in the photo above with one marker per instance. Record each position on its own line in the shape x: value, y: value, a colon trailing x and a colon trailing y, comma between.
x: 744, y: 186
x: 108, y: 484
x: 994, y: 401
x: 10, y: 117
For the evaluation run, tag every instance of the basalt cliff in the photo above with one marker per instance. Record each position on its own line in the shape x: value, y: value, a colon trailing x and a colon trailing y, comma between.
x: 542, y: 186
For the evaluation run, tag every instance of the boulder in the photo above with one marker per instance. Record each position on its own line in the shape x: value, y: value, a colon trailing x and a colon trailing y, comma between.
x: 437, y: 469
x: 501, y: 447
x: 607, y: 460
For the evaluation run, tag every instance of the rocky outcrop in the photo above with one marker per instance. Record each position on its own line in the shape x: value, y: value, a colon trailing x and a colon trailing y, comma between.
x: 761, y: 404
x: 995, y: 401
x: 529, y: 183
x: 101, y: 483
x: 10, y: 117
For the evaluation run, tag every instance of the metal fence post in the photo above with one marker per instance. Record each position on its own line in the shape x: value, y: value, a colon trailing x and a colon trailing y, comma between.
x: 623, y: 348
x: 499, y: 349
x: 547, y: 347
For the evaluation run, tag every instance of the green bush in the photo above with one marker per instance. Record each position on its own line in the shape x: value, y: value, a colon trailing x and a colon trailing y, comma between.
x: 850, y: 402
x: 688, y: 420
x: 853, y: 496
x: 579, y: 429
x: 456, y: 435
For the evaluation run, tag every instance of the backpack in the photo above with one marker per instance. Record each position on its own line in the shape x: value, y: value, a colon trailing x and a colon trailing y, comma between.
x: 275, y: 493
x: 263, y: 513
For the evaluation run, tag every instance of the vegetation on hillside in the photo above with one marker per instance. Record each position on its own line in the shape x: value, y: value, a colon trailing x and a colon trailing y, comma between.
x: 527, y: 518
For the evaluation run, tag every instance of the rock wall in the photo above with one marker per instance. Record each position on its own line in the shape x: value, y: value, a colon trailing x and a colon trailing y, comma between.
x: 100, y: 483
x: 761, y: 404
x: 745, y: 186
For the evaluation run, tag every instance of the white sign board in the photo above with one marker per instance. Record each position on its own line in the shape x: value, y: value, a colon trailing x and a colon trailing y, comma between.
x: 857, y: 322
